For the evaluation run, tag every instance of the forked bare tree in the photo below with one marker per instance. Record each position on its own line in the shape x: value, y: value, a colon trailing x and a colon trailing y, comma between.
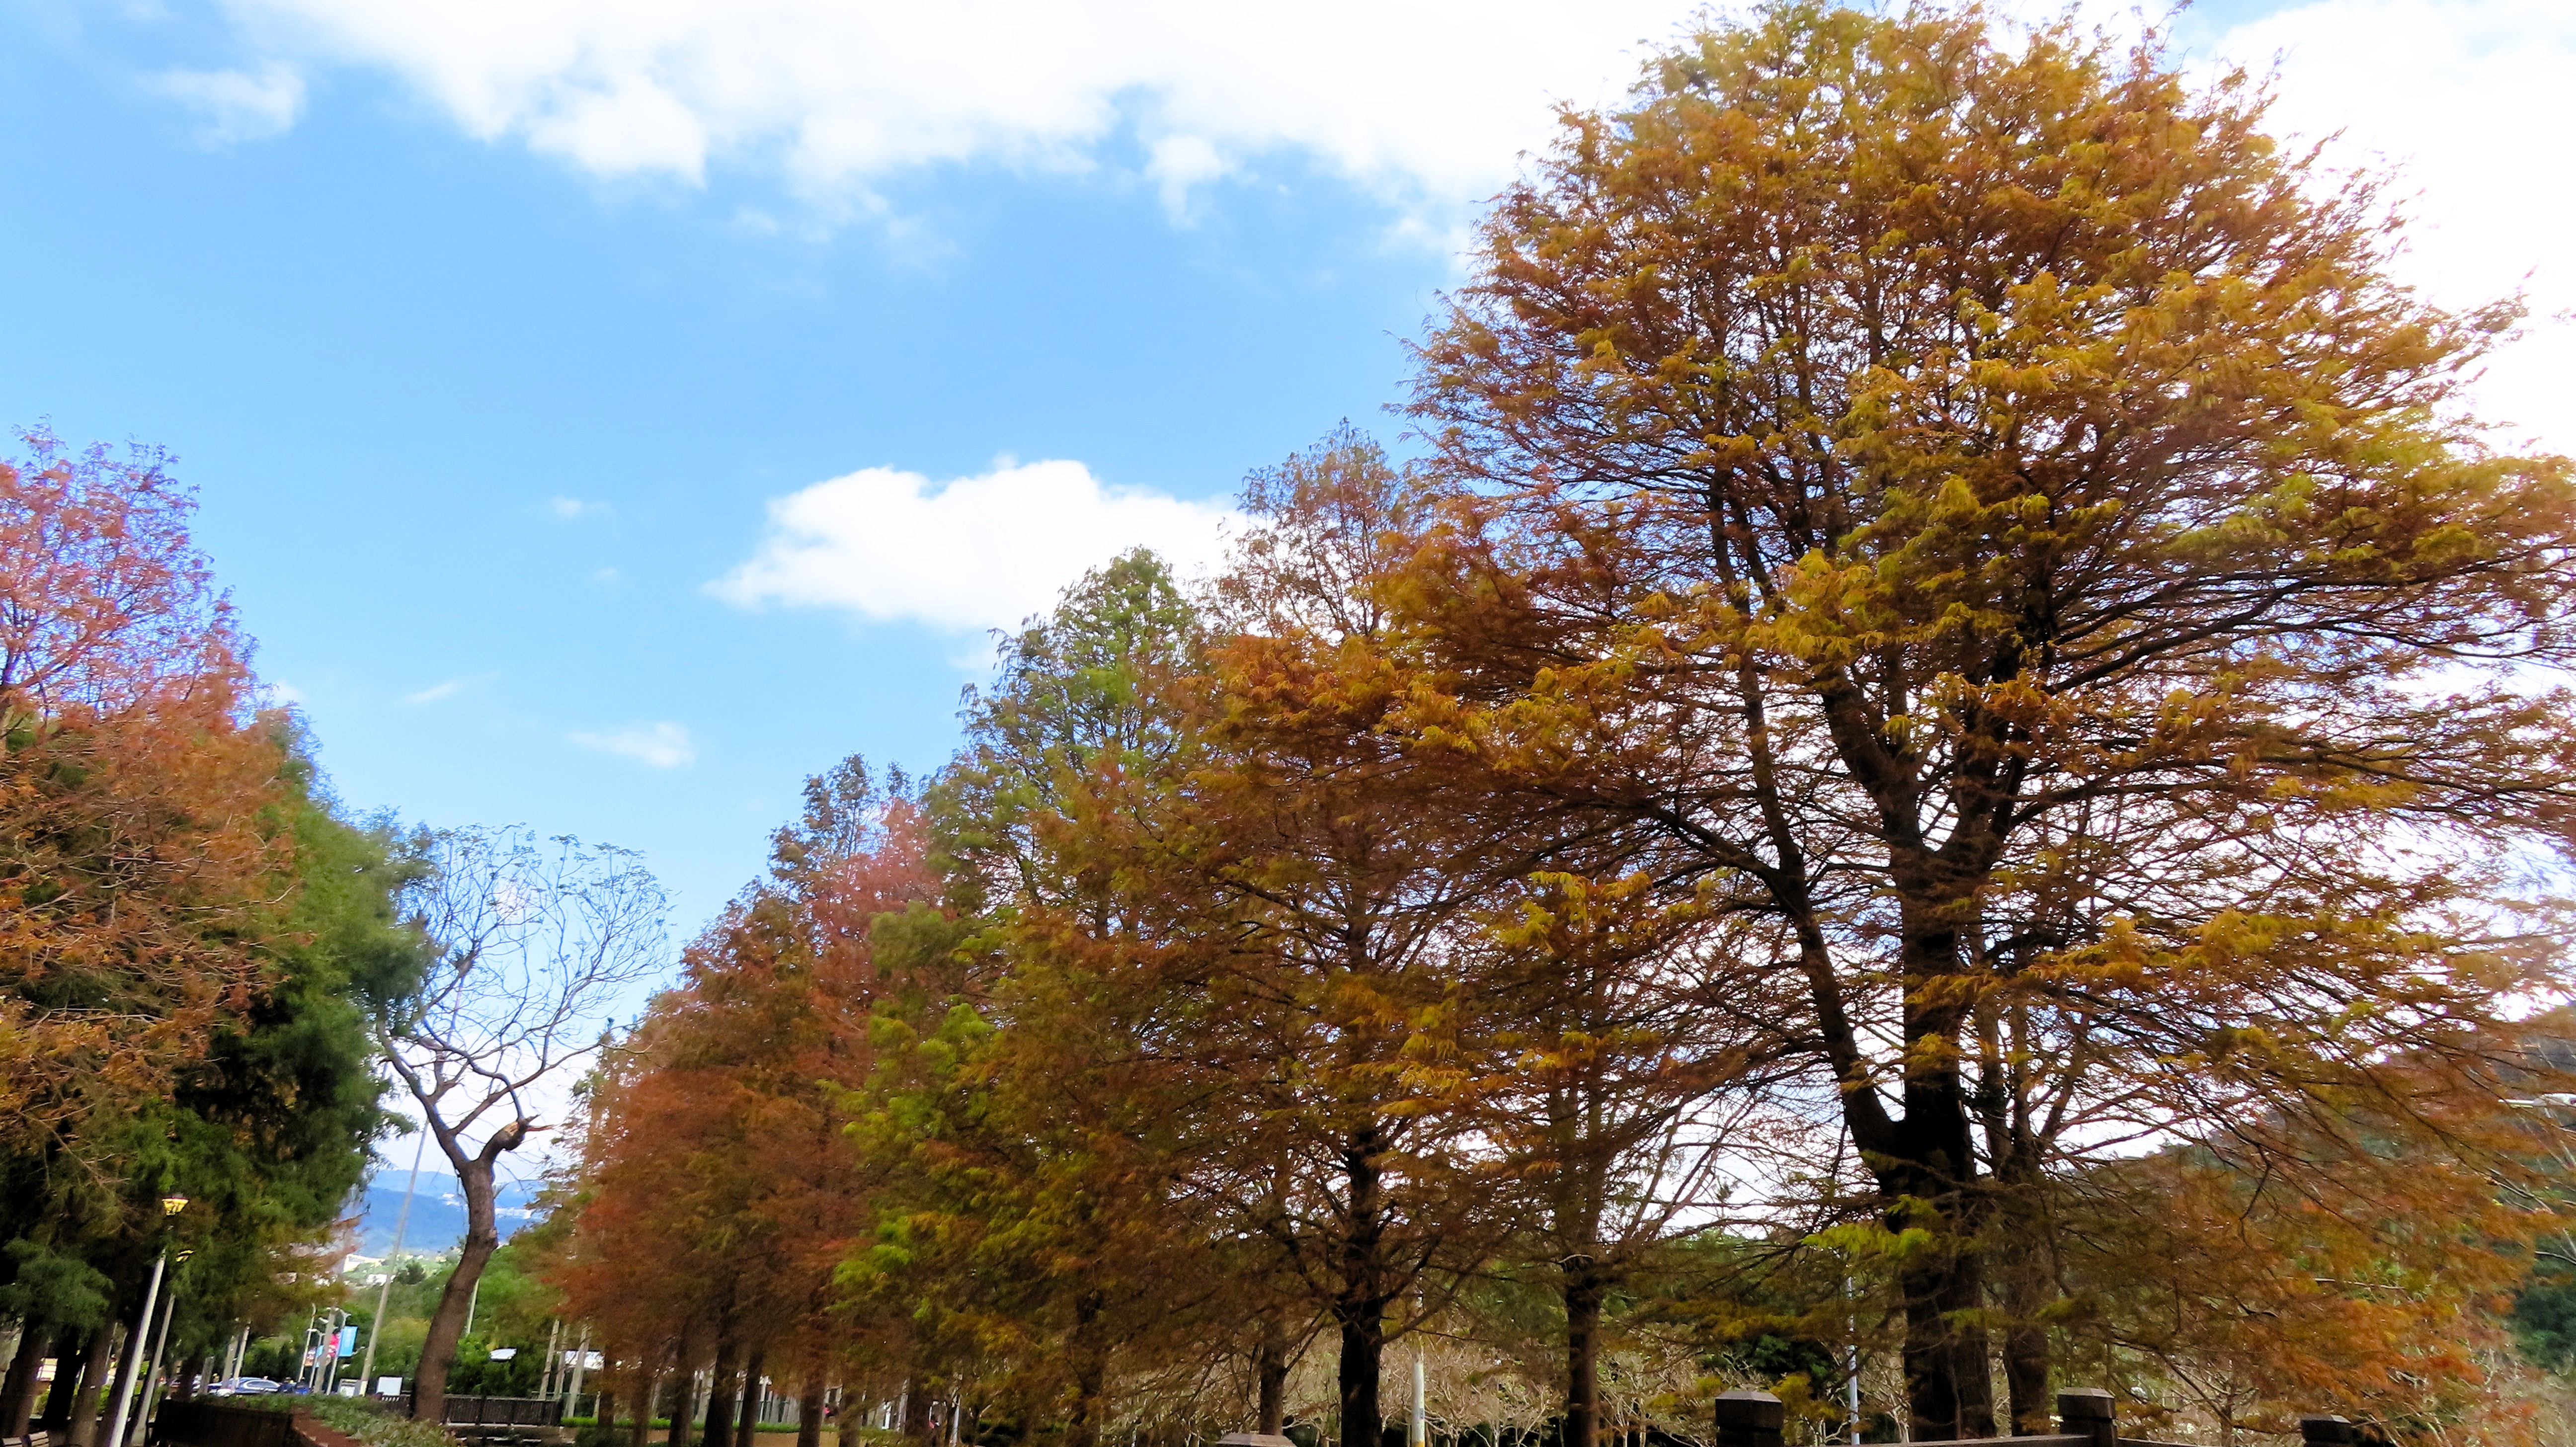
x: 535, y: 941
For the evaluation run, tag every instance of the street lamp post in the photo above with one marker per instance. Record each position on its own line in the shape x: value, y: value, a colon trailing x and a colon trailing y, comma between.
x: 160, y: 1348
x: 170, y: 1206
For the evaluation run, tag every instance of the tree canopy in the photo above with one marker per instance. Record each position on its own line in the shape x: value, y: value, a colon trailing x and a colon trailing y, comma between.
x: 1944, y: 773
x: 1951, y: 746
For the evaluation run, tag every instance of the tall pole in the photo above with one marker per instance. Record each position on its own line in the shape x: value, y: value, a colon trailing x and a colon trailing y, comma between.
x: 331, y: 1365
x: 1851, y: 1366
x: 316, y: 1336
x: 580, y: 1363
x: 160, y: 1345
x: 1418, y: 1431
x: 134, y: 1352
x: 384, y: 1288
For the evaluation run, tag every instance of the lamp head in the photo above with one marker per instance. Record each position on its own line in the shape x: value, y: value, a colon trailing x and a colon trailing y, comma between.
x: 173, y: 1205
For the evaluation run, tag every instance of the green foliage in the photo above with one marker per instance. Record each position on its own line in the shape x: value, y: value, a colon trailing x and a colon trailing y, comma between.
x: 376, y: 1423
x: 267, y: 1136
x: 46, y: 1285
x: 512, y: 1308
x: 1072, y: 694
x: 2544, y: 1318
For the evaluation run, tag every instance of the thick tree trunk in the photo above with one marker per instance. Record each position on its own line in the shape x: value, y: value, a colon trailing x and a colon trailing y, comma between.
x: 67, y: 1383
x: 1360, y: 1309
x: 84, y: 1429
x: 447, y: 1321
x: 1926, y: 1163
x: 684, y: 1389
x: 809, y: 1415
x: 1930, y: 1182
x: 2028, y: 1285
x: 1270, y: 1375
x: 749, y: 1420
x: 603, y: 1414
x: 18, y: 1394
x: 916, y: 1406
x: 1090, y: 1386
x: 1583, y: 1293
x: 721, y: 1390
x: 1090, y: 1372
x: 684, y: 1407
x: 648, y: 1392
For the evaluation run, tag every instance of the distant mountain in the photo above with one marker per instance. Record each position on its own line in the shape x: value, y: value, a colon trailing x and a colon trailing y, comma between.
x: 437, y: 1221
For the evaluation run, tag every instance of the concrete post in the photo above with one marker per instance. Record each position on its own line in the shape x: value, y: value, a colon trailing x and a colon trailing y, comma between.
x: 1749, y: 1419
x: 2086, y: 1412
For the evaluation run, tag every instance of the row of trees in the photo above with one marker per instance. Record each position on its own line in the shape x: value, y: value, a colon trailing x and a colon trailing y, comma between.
x: 211, y: 980
x: 1954, y: 747
x: 188, y: 931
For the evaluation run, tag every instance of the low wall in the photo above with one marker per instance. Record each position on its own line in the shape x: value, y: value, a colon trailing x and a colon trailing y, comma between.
x: 207, y: 1423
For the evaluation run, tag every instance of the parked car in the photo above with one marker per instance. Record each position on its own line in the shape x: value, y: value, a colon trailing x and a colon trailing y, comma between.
x: 244, y: 1387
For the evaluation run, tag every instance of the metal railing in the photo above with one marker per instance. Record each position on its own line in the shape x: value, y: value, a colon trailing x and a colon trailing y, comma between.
x: 2085, y: 1418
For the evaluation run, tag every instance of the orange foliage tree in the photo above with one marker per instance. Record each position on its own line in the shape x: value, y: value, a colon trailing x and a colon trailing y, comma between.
x: 1956, y: 622
x: 138, y: 853
x: 1976, y: 494
x: 718, y: 1191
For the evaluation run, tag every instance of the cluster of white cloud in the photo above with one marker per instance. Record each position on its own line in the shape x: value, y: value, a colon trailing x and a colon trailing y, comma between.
x: 1410, y: 97
x: 973, y: 553
x: 1427, y: 103
x: 237, y: 105
x: 660, y: 745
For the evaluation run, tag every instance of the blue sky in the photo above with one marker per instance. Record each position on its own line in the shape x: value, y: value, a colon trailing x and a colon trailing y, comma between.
x: 491, y: 333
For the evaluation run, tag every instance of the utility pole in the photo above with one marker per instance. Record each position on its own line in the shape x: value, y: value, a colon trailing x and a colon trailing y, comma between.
x: 402, y: 1220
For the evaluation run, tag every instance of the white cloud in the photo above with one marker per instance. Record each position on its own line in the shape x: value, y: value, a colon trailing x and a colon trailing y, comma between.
x: 976, y: 552
x: 1418, y: 98
x: 1180, y: 163
x: 2469, y: 99
x: 1427, y: 103
x: 661, y: 745
x: 435, y: 691
x: 237, y: 105
x: 572, y: 509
